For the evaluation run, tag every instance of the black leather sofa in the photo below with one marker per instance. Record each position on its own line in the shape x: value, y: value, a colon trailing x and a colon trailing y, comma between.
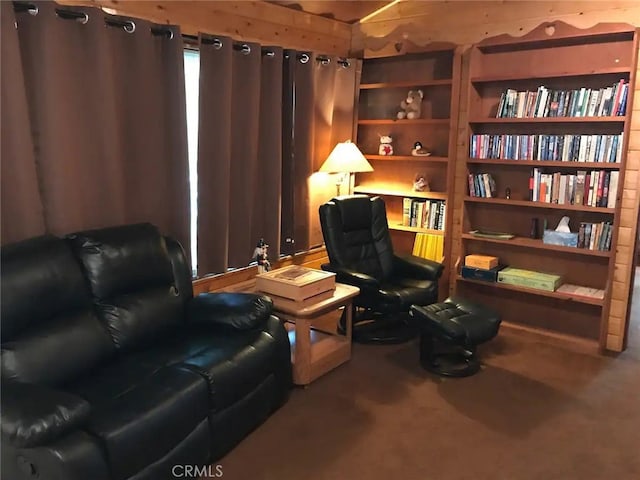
x: 111, y: 369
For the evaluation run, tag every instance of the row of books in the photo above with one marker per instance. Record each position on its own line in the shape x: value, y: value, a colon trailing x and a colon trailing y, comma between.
x: 582, y: 102
x: 596, y: 188
x: 419, y: 213
x: 429, y: 246
x: 595, y: 236
x: 482, y: 185
x: 565, y: 148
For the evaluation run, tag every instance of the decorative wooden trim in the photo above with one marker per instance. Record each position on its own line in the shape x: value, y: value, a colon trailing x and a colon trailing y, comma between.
x: 547, y: 32
x: 395, y: 44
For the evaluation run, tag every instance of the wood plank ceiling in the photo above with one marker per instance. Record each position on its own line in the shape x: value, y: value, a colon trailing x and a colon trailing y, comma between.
x: 341, y: 10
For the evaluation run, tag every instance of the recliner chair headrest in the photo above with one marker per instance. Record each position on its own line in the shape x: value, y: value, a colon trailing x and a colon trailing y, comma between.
x: 355, y: 211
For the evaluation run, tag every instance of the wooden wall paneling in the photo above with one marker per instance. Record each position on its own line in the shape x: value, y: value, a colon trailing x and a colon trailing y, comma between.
x: 616, y: 321
x: 468, y: 22
x: 247, y: 20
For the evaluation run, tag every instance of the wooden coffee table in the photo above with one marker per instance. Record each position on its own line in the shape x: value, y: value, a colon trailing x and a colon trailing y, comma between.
x: 316, y: 350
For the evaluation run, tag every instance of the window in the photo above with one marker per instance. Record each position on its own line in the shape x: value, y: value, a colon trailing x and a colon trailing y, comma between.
x: 192, y: 86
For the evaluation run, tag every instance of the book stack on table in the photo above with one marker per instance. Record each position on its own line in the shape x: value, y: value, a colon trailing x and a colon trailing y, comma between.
x: 296, y: 287
x: 481, y: 267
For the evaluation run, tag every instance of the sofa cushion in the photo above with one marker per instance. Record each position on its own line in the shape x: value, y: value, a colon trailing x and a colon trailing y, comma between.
x: 131, y: 278
x: 49, y: 330
x: 138, y: 319
x: 56, y: 352
x: 148, y: 419
x: 124, y: 259
x: 233, y: 362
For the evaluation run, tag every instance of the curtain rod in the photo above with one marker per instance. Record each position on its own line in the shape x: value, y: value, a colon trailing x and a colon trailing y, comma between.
x: 128, y: 25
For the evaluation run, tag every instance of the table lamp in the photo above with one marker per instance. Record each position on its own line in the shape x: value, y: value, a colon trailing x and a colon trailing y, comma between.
x: 345, y: 158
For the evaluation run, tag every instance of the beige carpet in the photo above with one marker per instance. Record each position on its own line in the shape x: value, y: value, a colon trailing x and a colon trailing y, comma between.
x: 535, y: 412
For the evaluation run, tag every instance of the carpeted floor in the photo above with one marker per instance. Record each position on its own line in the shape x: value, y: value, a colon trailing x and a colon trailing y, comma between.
x: 534, y: 412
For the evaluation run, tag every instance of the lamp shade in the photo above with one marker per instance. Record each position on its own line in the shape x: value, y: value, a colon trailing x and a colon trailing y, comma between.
x: 346, y: 157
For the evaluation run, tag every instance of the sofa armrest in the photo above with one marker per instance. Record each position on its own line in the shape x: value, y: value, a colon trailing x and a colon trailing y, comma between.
x: 352, y: 277
x: 417, y: 267
x: 239, y: 311
x: 33, y: 415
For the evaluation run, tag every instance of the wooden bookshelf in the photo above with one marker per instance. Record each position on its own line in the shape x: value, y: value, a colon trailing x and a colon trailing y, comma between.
x: 522, y: 64
x: 384, y: 84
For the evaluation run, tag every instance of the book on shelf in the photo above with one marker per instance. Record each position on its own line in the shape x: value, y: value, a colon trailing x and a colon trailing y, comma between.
x: 295, y: 282
x: 429, y: 246
x: 595, y: 188
x: 482, y: 185
x: 492, y: 235
x: 598, y: 148
x: 580, y: 291
x: 420, y: 213
x: 580, y: 102
x: 529, y: 279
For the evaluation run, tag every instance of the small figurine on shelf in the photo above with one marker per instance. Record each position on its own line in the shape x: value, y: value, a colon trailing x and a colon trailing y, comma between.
x: 507, y: 193
x: 419, y: 151
x: 260, y: 256
x: 411, y: 106
x: 386, y: 145
x: 420, y: 183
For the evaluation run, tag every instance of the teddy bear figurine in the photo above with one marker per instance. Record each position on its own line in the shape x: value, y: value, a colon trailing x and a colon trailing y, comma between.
x: 386, y: 147
x: 420, y: 183
x: 411, y: 106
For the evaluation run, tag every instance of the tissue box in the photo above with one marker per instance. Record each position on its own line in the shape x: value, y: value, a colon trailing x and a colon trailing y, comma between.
x: 565, y: 239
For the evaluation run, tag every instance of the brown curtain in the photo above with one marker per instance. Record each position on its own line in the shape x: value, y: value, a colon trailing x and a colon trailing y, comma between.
x: 325, y: 91
x: 22, y: 215
x: 239, y: 152
x: 107, y: 111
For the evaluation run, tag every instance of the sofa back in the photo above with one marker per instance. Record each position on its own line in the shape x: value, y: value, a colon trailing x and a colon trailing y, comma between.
x: 50, y: 332
x: 131, y: 278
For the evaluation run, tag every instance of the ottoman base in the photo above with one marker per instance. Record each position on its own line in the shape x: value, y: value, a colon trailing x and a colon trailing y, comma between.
x: 447, y: 360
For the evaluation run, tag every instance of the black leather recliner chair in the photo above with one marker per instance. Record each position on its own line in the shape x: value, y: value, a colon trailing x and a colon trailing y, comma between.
x: 111, y: 370
x: 356, y: 235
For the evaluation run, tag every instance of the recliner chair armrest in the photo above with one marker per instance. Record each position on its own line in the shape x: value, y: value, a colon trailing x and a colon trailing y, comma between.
x: 441, y: 327
x: 239, y: 311
x: 352, y: 277
x: 34, y: 415
x: 417, y: 267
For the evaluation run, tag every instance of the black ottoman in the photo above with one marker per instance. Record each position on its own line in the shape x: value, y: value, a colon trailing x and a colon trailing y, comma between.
x: 450, y: 332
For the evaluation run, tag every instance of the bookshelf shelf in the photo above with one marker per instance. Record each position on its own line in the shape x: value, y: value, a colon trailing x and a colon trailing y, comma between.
x: 545, y: 72
x: 409, y: 158
x: 532, y: 291
x: 407, y: 84
x: 550, y: 120
x: 416, y: 121
x: 404, y: 228
x: 551, y: 75
x: 372, y: 190
x: 524, y: 242
x: 385, y: 83
x: 546, y: 163
x: 530, y: 204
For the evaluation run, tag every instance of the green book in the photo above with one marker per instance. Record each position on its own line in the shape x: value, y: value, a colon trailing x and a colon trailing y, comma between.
x: 529, y: 279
